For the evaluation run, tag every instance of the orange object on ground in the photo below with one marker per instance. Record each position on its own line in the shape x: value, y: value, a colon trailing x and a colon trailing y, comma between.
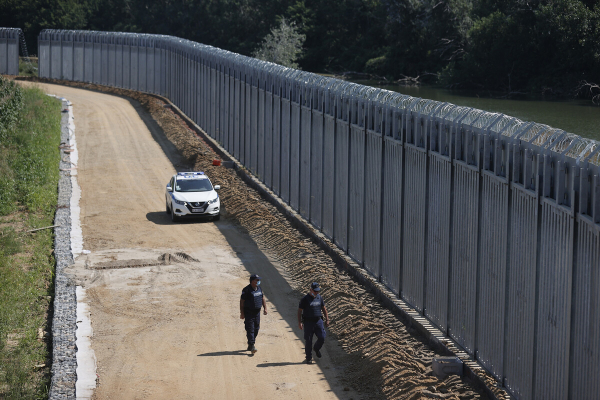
x: 216, y: 162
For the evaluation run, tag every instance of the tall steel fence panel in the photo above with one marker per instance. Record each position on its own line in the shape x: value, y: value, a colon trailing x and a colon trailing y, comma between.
x: 463, y: 258
x: 78, y: 59
x: 294, y: 160
x: 392, y: 214
x: 211, y: 122
x: 55, y: 56
x: 227, y: 125
x: 97, y: 64
x: 317, y: 154
x: 554, y: 301
x: 373, y: 202
x: 143, y: 67
x: 150, y: 65
x: 373, y: 199
x: 242, y: 123
x: 12, y: 51
x: 5, y: 57
x: 415, y: 205
x: 586, y: 309
x: 134, y: 58
x: 268, y: 140
x: 112, y: 58
x: 9, y: 50
x: 277, y: 132
x: 521, y: 291
x: 236, y: 118
x: 67, y: 57
x: 329, y: 188
x: 248, y: 119
x: 356, y: 193
x: 43, y: 54
x: 438, y: 239
x: 253, y: 138
x: 220, y: 106
x: 304, y: 186
x: 260, y: 150
x: 342, y: 168
x: 159, y: 72
x: 492, y: 272
x: 286, y: 118
x: 104, y: 57
x: 194, y: 89
x: 126, y: 56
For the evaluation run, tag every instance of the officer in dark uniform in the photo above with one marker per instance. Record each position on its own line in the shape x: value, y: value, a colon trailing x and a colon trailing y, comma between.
x: 311, y: 313
x: 251, y: 301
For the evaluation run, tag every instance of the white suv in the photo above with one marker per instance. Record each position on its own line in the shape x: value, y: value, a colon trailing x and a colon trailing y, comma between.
x: 191, y: 194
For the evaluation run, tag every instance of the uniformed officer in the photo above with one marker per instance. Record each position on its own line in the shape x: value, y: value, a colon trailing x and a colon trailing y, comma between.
x: 251, y: 301
x: 311, y: 313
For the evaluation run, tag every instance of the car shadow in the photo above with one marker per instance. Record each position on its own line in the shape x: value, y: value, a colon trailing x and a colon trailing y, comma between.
x: 162, y: 218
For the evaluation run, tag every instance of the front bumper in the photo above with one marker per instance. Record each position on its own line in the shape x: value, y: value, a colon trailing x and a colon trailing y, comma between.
x: 186, y: 211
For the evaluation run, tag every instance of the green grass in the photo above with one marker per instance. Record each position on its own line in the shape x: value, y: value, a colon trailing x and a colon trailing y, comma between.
x: 28, y: 68
x: 29, y: 159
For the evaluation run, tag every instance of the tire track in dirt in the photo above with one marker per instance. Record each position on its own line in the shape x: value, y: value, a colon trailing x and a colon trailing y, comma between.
x: 389, y: 361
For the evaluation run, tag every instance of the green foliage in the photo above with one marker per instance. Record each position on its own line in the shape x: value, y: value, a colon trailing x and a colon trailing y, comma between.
x: 516, y: 46
x: 11, y: 102
x: 282, y: 46
x: 25, y: 289
x: 27, y: 68
x: 29, y: 153
x: 28, y: 183
x: 507, y: 45
x: 376, y: 65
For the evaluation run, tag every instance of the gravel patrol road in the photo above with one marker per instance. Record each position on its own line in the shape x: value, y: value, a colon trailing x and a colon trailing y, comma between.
x: 164, y: 297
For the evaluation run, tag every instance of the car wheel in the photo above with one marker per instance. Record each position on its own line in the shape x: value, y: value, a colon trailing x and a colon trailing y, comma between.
x: 168, y: 211
x: 217, y: 218
x: 174, y: 217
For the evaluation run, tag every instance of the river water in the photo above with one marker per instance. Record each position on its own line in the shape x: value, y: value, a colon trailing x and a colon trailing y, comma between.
x: 580, y: 117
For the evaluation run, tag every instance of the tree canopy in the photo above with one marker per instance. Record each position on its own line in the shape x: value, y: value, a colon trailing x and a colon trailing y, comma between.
x: 544, y: 46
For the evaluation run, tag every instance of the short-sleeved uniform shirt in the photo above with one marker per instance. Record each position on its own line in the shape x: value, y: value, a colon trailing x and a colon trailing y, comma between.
x: 248, y: 294
x: 311, y: 306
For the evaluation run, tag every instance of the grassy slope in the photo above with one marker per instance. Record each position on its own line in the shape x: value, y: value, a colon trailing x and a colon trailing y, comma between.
x: 29, y: 158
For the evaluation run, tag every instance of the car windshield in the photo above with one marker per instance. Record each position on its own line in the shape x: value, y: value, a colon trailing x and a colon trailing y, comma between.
x: 193, y: 185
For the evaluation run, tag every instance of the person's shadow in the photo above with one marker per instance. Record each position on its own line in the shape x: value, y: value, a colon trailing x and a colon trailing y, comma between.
x: 279, y: 364
x: 226, y: 353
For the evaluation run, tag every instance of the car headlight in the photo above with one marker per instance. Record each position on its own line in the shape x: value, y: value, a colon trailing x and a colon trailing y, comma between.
x: 178, y: 201
x: 213, y: 201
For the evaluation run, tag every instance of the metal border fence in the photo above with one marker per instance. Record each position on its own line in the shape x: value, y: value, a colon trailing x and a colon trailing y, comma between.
x: 487, y: 225
x: 9, y: 50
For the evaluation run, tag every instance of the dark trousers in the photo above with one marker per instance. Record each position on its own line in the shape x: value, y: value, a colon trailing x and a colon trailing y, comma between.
x: 313, y: 328
x: 252, y: 324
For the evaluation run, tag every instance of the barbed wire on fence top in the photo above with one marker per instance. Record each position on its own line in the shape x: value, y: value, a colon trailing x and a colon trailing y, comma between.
x: 293, y: 81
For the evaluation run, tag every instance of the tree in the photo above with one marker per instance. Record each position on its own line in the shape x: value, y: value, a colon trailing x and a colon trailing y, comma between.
x: 282, y: 46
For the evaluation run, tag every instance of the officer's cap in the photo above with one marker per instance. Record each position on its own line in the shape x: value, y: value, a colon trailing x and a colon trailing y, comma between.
x: 253, y: 277
x: 315, y: 286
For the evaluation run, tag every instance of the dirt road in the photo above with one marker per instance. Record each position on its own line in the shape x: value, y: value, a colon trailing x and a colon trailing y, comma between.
x: 170, y: 329
x: 173, y: 331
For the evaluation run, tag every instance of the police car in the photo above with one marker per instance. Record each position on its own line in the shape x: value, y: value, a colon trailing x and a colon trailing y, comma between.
x: 191, y: 194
